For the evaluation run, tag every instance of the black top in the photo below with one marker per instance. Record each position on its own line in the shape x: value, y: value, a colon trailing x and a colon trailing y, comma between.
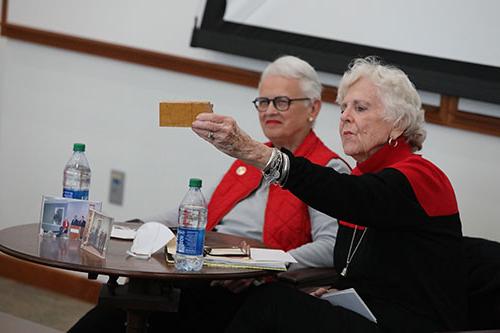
x: 409, y: 267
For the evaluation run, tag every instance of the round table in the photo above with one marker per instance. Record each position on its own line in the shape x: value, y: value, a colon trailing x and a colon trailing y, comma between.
x: 153, y: 284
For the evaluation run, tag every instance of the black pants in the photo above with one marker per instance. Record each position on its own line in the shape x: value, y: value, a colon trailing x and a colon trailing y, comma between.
x: 279, y: 308
x: 199, y: 309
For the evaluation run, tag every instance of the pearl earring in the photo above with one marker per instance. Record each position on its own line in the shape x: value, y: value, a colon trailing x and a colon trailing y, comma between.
x: 311, y: 119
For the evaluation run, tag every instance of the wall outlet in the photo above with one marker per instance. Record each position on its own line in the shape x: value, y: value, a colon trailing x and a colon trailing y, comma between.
x: 116, y: 187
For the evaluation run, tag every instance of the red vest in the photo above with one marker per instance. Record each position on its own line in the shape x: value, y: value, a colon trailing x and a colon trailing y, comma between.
x: 286, y: 224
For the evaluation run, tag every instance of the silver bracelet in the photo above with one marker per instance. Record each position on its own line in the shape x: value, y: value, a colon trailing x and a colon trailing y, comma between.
x: 272, y: 170
x: 277, y: 168
x: 270, y: 160
x: 284, y: 170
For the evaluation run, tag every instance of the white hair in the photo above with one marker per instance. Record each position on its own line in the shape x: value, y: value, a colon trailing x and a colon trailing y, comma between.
x: 296, y: 68
x: 401, y: 101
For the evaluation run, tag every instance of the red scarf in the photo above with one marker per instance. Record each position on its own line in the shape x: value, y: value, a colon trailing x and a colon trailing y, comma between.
x: 430, y: 185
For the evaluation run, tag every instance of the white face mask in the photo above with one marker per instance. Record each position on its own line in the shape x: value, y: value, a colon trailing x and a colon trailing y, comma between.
x: 150, y: 237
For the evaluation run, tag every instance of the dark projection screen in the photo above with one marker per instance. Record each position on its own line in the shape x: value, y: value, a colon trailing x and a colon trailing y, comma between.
x: 436, y: 74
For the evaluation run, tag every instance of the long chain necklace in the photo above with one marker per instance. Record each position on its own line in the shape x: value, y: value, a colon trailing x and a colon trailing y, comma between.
x: 349, y: 255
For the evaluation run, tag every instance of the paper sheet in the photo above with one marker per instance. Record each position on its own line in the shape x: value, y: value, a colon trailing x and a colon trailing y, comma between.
x: 349, y: 299
x: 123, y: 232
x: 271, y: 255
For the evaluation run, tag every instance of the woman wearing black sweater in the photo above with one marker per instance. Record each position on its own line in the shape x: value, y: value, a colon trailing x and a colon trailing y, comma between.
x: 399, y: 244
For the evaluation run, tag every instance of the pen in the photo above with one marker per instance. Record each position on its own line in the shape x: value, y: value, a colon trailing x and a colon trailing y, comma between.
x: 245, y: 248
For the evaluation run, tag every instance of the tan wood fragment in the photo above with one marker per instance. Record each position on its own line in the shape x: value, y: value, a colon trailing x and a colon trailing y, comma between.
x: 181, y: 114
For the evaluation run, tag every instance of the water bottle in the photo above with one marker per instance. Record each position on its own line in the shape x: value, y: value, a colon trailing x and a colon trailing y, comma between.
x: 76, y: 180
x: 191, y: 230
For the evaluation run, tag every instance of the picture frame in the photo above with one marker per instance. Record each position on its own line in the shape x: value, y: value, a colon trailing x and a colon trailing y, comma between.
x: 97, y: 233
x: 65, y: 217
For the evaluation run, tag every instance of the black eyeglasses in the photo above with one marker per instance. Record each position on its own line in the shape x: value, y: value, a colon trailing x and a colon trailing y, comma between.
x: 281, y: 103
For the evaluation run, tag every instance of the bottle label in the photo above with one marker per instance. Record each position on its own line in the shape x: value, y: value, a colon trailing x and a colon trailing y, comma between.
x: 190, y: 241
x: 73, y: 194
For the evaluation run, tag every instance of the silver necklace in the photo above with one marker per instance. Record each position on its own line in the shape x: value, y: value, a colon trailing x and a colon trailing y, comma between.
x: 349, y: 255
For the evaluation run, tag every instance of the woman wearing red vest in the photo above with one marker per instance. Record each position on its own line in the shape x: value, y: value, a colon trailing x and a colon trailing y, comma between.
x: 400, y: 246
x: 243, y: 204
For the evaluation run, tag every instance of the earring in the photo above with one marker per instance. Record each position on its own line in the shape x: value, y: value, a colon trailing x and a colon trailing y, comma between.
x: 311, y: 119
x: 393, y: 142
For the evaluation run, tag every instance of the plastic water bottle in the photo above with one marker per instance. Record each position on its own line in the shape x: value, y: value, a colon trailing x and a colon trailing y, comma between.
x: 76, y: 180
x: 191, y: 230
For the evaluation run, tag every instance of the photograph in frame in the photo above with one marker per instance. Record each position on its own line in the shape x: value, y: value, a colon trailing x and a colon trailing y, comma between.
x: 97, y: 233
x: 65, y: 217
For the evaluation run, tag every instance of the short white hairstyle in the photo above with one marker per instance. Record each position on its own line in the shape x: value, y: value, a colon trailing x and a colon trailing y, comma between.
x: 401, y: 100
x: 296, y: 68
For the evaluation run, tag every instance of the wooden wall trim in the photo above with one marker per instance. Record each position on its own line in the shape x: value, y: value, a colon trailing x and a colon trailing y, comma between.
x: 133, y: 55
x: 53, y: 279
x: 476, y: 122
x: 447, y: 114
x: 144, y: 57
x: 433, y: 114
x: 5, y: 6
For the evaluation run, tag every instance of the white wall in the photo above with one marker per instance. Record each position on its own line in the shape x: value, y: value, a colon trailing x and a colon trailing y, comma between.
x: 50, y: 98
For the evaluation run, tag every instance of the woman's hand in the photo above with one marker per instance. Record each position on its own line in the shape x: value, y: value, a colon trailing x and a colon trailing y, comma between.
x: 321, y: 291
x: 224, y: 133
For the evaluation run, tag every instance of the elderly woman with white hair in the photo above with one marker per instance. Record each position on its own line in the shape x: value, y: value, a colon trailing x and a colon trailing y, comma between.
x: 399, y: 244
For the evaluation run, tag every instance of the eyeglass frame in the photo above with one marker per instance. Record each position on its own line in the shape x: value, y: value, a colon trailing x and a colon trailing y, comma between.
x: 273, y: 100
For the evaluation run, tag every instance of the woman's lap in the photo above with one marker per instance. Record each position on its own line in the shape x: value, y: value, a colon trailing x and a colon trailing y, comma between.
x: 279, y: 308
